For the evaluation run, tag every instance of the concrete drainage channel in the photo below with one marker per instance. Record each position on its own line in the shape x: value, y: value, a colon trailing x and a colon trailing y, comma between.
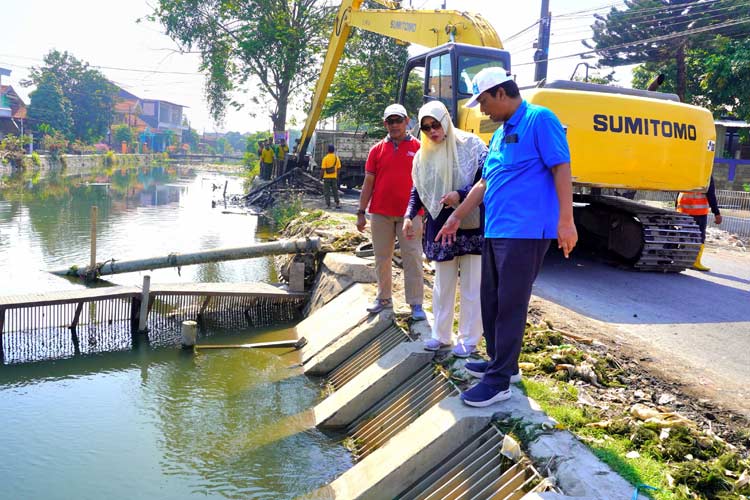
x: 409, y: 431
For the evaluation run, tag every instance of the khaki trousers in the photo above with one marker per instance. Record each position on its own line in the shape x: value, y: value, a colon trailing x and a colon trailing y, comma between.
x: 385, y: 230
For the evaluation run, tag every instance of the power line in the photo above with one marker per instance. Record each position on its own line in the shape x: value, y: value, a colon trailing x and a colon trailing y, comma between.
x: 660, y: 38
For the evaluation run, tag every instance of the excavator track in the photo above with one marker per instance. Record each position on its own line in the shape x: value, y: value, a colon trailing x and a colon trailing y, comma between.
x: 643, y: 237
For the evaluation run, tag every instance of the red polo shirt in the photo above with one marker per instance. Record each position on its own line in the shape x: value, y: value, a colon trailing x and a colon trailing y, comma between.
x: 391, y: 166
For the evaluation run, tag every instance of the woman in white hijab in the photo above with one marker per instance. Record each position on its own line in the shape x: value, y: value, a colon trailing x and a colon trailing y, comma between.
x: 445, y: 168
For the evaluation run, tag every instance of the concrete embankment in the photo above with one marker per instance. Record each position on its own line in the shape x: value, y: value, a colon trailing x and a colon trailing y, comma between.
x: 81, y: 164
x: 405, y: 421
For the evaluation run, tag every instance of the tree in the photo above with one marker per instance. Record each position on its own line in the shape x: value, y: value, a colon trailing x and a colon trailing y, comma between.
x: 273, y: 45
x: 91, y: 95
x: 718, y: 69
x: 190, y: 137
x: 367, y: 80
x: 663, y: 31
x: 122, y: 133
x: 49, y: 106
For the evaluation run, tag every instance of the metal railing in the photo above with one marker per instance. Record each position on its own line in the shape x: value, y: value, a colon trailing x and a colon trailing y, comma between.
x: 734, y: 205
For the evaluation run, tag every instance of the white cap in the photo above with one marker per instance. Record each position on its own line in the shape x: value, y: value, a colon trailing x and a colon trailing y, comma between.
x: 486, y: 79
x: 394, y: 109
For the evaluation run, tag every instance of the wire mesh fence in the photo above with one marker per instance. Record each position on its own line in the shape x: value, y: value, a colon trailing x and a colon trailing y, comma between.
x: 734, y: 205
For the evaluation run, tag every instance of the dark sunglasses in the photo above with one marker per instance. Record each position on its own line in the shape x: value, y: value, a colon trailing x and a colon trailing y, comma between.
x: 396, y: 119
x: 434, y: 126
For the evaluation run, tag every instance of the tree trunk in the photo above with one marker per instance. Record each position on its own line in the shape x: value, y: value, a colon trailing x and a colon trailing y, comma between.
x: 279, y: 116
x: 681, y: 70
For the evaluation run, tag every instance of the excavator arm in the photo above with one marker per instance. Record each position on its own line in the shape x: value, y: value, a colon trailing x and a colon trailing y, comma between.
x: 429, y: 28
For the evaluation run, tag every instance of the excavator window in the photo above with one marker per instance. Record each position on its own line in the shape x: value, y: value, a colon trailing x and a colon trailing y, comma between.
x: 440, y: 79
x: 469, y: 66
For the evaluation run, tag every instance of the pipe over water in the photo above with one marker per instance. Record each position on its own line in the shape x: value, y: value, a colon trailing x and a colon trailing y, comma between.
x: 281, y: 247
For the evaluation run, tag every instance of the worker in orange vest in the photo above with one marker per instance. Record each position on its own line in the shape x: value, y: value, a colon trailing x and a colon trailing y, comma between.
x: 698, y: 205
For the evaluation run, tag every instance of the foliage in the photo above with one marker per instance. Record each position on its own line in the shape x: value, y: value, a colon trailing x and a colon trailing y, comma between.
x: 284, y: 211
x: 36, y: 159
x: 91, y: 95
x: 122, y: 133
x: 81, y: 148
x: 55, y: 143
x: 49, y: 106
x: 236, y: 140
x: 270, y: 45
x: 223, y: 146
x: 672, y: 28
x: 190, y: 137
x: 367, y: 80
x: 13, y: 149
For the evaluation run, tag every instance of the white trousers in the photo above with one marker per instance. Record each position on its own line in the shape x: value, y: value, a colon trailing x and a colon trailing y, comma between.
x: 444, y: 300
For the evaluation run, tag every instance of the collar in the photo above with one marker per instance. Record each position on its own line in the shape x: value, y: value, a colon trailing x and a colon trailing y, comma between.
x: 407, y: 138
x: 513, y: 120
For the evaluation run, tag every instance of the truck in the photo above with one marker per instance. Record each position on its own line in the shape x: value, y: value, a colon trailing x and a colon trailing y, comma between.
x: 624, y: 139
x: 352, y: 148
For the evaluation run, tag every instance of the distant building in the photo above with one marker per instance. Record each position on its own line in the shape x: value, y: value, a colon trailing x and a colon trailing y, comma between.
x: 12, y: 109
x: 157, y: 123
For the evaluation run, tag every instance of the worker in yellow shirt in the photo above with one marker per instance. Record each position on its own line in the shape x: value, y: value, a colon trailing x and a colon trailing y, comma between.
x: 266, y: 161
x: 330, y: 167
x: 281, y: 152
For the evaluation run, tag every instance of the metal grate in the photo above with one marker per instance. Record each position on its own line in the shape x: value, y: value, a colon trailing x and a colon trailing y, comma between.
x: 400, y: 408
x: 366, y: 355
x: 64, y: 324
x: 478, y: 471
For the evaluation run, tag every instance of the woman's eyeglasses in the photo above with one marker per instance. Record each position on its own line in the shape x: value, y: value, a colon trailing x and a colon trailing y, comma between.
x: 395, y: 119
x: 435, y: 126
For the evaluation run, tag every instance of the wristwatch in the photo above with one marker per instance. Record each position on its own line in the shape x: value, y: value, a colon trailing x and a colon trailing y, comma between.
x: 360, y: 212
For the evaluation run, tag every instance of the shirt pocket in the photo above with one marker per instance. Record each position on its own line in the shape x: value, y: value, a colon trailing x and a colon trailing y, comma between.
x: 510, y: 156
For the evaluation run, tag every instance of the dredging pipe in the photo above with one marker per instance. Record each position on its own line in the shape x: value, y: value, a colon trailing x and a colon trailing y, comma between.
x: 281, y: 247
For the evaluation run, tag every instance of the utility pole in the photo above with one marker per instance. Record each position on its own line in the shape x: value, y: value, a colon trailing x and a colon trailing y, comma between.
x: 542, y: 45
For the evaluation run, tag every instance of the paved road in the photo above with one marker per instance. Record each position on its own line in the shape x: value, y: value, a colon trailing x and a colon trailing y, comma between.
x: 697, y: 324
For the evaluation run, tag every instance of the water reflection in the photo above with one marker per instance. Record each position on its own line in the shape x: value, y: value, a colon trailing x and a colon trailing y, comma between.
x: 142, y: 212
x: 149, y: 422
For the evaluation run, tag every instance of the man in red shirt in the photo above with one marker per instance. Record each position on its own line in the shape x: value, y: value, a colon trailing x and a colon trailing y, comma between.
x: 386, y: 190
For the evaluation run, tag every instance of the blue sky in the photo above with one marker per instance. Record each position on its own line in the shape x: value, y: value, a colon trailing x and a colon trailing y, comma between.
x: 143, y: 60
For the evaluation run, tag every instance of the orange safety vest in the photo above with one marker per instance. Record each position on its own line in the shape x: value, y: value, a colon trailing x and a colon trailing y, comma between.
x: 693, y: 204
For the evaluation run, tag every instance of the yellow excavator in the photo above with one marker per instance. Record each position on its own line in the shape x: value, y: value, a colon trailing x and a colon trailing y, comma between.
x: 622, y: 139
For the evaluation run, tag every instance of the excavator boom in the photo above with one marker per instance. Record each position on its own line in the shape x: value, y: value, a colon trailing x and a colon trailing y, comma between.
x: 430, y: 28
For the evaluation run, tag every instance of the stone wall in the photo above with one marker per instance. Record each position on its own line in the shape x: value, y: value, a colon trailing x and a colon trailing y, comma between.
x: 81, y: 164
x: 741, y: 177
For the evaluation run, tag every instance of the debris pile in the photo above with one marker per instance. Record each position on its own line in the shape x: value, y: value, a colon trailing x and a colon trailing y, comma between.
x: 611, y: 406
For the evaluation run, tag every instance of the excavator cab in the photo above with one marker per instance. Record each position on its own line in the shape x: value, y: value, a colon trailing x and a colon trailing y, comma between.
x: 445, y: 73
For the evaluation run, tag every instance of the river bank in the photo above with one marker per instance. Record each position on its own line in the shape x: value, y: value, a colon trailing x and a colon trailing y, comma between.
x: 623, y: 409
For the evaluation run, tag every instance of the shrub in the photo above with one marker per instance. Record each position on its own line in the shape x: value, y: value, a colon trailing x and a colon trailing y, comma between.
x: 36, y: 159
x: 12, y: 149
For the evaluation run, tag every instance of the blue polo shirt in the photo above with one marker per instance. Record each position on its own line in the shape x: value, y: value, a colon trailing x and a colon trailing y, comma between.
x: 520, y: 200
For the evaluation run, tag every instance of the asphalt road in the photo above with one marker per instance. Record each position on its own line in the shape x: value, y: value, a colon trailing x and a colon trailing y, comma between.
x: 693, y: 325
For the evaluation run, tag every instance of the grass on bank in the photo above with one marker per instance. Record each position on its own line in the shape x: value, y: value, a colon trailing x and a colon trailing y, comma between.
x: 682, y: 461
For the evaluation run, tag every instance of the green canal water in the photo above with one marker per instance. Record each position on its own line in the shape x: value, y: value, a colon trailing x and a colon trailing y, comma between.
x: 150, y: 422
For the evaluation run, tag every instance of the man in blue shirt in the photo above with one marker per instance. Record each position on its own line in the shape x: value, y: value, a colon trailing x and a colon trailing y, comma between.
x: 527, y: 193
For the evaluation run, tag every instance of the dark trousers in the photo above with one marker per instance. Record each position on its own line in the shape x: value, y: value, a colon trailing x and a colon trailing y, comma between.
x: 330, y: 187
x: 509, y: 268
x: 702, y: 221
x: 266, y: 170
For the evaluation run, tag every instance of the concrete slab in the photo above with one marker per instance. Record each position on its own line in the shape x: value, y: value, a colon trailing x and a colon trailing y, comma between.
x: 349, y: 402
x: 335, y: 319
x: 338, y: 272
x: 578, y: 472
x: 338, y: 351
x: 410, y: 454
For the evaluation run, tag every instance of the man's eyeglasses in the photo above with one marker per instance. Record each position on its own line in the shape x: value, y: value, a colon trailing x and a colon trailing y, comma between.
x: 434, y: 126
x: 394, y: 119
